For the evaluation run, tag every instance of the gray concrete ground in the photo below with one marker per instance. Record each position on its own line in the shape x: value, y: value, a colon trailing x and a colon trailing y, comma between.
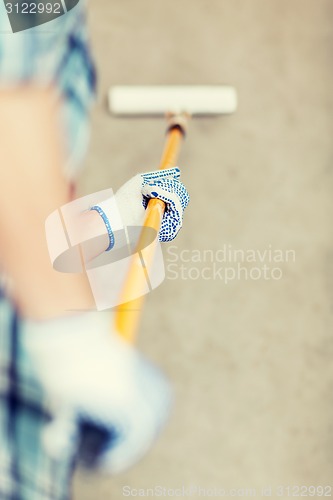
x: 250, y: 360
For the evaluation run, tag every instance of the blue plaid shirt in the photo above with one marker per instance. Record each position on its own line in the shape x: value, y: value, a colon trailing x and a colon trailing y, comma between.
x: 55, y: 53
x: 26, y: 472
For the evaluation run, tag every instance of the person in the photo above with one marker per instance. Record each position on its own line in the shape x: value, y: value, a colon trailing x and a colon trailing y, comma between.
x: 71, y: 390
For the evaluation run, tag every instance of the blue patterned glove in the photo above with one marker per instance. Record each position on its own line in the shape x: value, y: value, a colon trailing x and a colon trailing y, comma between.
x: 133, y: 197
x: 174, y: 194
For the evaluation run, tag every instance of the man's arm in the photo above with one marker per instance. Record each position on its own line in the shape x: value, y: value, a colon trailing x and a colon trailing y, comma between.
x: 32, y: 185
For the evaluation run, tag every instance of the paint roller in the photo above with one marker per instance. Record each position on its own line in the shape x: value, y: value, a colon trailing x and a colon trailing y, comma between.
x: 177, y: 104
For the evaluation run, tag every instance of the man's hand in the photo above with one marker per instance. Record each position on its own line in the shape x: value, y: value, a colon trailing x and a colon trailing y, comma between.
x: 89, y: 372
x: 133, y: 197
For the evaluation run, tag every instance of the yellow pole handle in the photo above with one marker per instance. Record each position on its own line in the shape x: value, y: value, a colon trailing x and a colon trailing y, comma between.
x: 128, y: 314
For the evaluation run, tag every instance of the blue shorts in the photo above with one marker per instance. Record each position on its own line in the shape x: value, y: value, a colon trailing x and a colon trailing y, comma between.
x: 56, y: 53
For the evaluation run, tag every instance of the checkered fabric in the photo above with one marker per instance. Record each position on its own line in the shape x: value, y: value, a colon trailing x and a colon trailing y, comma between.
x: 26, y: 472
x: 55, y: 53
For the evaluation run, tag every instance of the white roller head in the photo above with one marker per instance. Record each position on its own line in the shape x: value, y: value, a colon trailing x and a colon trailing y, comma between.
x: 159, y: 100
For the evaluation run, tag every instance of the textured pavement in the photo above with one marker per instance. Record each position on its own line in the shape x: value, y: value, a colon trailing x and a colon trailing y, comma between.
x: 251, y: 359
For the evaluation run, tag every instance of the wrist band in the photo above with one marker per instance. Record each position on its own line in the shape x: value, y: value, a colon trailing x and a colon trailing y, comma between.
x: 107, y: 225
